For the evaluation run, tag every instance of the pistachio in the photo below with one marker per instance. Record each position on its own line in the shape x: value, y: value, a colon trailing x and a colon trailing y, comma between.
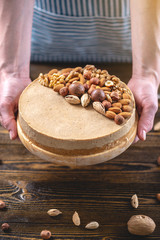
x: 98, y: 106
x: 85, y: 100
x: 72, y: 99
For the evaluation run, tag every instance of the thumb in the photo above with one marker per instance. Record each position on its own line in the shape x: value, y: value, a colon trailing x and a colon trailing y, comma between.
x: 8, y: 120
x: 146, y: 120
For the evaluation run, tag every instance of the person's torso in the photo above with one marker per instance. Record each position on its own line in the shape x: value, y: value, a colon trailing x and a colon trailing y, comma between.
x: 81, y: 30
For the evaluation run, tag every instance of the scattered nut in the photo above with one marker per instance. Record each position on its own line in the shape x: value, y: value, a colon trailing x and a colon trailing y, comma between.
x: 92, y: 225
x: 157, y: 126
x: 5, y: 227
x: 134, y: 201
x: 141, y: 225
x: 45, y: 234
x: 2, y: 204
x: 98, y: 95
x: 119, y: 119
x: 54, y: 212
x: 76, y: 219
x: 76, y: 89
x: 58, y: 87
x: 72, y: 99
x: 87, y: 74
x: 85, y: 100
x: 98, y: 106
x: 158, y: 161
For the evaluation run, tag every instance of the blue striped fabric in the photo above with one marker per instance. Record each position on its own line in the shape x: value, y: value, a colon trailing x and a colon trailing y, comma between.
x: 81, y: 31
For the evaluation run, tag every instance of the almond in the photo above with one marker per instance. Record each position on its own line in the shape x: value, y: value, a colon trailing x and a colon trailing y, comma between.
x: 54, y: 212
x: 117, y: 104
x: 58, y: 87
x: 127, y: 108
x: 98, y: 106
x: 126, y: 96
x: 110, y: 114
x: 92, y: 225
x: 76, y: 219
x: 119, y: 119
x: 115, y: 109
x: 141, y: 225
x: 125, y: 114
x: 72, y: 99
x: 64, y: 70
x: 78, y: 69
x: 125, y: 101
x: 108, y: 98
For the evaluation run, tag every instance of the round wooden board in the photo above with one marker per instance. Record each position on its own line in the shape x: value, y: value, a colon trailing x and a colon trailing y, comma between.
x: 79, y: 161
x: 66, y: 134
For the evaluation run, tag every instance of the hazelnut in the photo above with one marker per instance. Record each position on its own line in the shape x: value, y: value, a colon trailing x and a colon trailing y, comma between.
x: 94, y: 81
x: 91, y: 89
x: 98, y: 95
x: 86, y: 86
x: 106, y: 104
x: 87, y: 74
x: 63, y: 91
x: 114, y: 96
x: 119, y: 119
x: 45, y: 234
x: 158, y: 196
x: 76, y: 89
x: 2, y: 204
x: 5, y: 226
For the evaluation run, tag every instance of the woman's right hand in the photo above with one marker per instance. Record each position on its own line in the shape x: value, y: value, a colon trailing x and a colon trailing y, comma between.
x: 10, y: 90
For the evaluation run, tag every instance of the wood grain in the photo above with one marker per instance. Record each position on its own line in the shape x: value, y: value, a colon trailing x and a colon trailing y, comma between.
x: 31, y: 186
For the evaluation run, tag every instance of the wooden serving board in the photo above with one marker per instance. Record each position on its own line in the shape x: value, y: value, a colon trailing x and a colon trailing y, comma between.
x: 71, y: 135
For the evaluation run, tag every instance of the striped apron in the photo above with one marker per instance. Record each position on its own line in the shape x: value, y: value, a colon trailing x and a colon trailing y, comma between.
x: 81, y: 31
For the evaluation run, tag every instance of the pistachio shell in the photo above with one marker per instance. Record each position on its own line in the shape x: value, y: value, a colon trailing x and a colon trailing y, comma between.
x: 72, y: 99
x: 98, y: 106
x: 92, y: 225
x: 85, y: 100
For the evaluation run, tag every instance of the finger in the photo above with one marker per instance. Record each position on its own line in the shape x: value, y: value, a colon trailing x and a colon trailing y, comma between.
x: 136, y: 140
x: 8, y: 121
x: 146, y: 120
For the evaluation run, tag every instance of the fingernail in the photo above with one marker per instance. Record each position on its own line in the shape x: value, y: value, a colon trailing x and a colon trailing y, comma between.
x: 144, y: 135
x: 11, y: 135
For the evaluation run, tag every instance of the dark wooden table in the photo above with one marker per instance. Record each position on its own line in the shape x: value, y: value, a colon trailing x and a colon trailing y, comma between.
x: 31, y: 186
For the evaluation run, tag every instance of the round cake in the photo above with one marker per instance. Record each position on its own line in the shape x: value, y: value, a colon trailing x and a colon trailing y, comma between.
x: 70, y: 134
